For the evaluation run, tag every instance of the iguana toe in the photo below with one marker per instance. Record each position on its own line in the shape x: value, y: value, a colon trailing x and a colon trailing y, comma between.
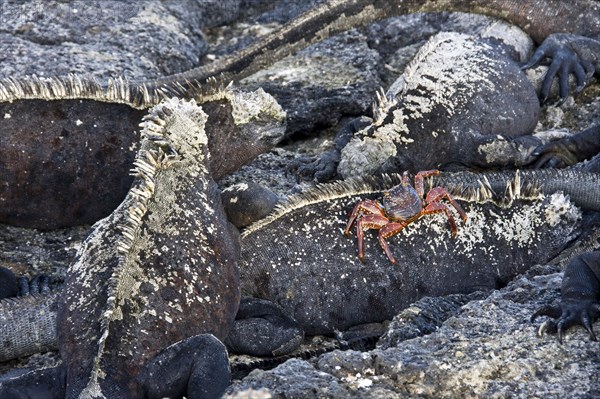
x: 568, y: 314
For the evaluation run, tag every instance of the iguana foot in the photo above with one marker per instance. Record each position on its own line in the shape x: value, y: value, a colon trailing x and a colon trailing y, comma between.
x: 580, y: 292
x: 569, y: 313
x: 556, y: 154
x: 565, y: 61
x: 569, y: 150
x: 11, y: 286
x: 262, y: 329
x: 323, y: 169
x: 196, y: 368
x: 39, y: 284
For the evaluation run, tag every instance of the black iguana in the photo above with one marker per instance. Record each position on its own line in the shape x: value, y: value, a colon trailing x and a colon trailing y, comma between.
x: 569, y: 150
x: 299, y: 258
x: 556, y: 4
x: 464, y: 91
x: 86, y: 139
x: 538, y: 18
x: 462, y: 100
x: 155, y: 285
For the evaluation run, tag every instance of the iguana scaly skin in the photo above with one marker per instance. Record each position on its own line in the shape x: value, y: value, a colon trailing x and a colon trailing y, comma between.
x: 100, y: 182
x: 456, y: 104
x: 515, y: 16
x: 300, y: 259
x: 463, y: 101
x: 86, y: 139
x: 28, y: 325
x: 158, y: 276
x: 161, y: 268
x: 580, y: 297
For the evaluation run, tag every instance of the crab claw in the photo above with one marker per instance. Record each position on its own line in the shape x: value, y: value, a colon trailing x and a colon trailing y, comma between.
x: 568, y: 313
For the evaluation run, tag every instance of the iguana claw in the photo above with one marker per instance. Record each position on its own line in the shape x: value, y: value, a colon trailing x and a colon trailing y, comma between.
x: 564, y: 62
x: 568, y: 314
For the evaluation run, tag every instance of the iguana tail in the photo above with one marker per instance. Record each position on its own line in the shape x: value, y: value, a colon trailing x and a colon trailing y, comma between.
x: 538, y: 18
x: 582, y: 187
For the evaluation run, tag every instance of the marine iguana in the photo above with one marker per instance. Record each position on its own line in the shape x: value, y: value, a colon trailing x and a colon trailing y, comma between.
x: 538, y: 18
x: 569, y: 150
x: 155, y: 284
x: 299, y: 258
x: 86, y: 137
x: 112, y: 148
x: 278, y: 266
x: 463, y: 91
x: 464, y: 110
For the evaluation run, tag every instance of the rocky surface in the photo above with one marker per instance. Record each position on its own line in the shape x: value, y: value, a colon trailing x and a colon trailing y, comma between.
x: 102, y: 38
x: 487, y: 349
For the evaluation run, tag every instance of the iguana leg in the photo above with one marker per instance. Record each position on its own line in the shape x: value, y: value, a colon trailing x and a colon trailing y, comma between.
x: 39, y: 284
x: 48, y: 383
x: 580, y: 292
x: 500, y: 150
x: 262, y: 329
x: 570, y: 54
x: 325, y: 167
x: 196, y: 368
x: 569, y: 150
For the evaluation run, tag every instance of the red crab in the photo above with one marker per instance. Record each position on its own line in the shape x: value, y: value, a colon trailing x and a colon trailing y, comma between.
x: 402, y: 205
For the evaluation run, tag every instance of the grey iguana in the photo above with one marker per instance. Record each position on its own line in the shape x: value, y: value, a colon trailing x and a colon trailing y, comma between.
x: 155, y: 284
x: 379, y: 7
x: 86, y: 139
x: 299, y: 258
x: 462, y: 102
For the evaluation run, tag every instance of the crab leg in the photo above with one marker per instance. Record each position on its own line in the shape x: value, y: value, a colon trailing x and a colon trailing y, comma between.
x: 366, y: 207
x: 367, y: 222
x: 437, y: 193
x: 387, y: 231
x: 419, y: 180
x: 437, y: 207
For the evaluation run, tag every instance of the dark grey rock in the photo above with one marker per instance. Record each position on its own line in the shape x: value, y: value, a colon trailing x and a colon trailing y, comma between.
x: 246, y: 203
x: 398, y: 39
x: 272, y: 170
x: 294, y: 379
x: 423, y: 317
x: 279, y: 11
x: 31, y: 252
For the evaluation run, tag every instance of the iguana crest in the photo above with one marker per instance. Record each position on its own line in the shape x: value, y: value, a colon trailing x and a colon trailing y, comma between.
x: 71, y: 86
x: 164, y: 254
